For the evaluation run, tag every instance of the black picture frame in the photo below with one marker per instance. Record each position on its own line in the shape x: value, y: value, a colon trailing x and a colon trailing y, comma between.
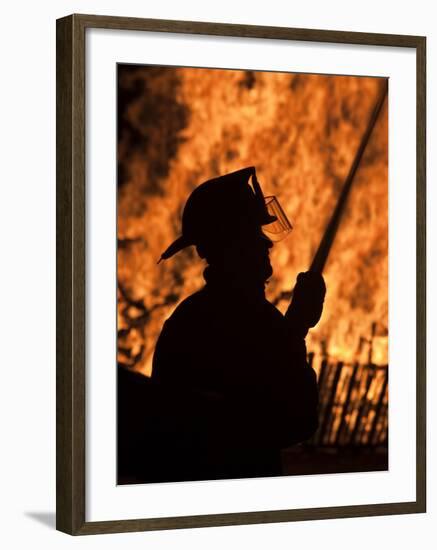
x: 71, y: 278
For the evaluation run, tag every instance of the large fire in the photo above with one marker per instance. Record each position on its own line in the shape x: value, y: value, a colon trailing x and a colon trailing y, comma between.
x: 179, y: 127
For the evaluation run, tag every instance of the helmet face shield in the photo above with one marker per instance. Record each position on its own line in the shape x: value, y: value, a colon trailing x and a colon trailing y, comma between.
x: 281, y: 227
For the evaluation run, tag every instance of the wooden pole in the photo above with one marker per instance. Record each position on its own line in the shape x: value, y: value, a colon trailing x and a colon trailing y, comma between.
x: 321, y: 256
x: 325, y: 245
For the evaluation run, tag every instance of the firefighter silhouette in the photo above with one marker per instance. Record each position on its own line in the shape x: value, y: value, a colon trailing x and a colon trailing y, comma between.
x: 231, y: 383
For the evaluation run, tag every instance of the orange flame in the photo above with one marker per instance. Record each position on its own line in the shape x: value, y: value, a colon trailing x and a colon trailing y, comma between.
x: 179, y: 127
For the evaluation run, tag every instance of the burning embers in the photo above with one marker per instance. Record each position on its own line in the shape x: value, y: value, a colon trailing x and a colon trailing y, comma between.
x: 179, y: 127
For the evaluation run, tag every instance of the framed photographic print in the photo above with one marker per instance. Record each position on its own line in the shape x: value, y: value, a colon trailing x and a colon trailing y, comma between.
x: 240, y: 274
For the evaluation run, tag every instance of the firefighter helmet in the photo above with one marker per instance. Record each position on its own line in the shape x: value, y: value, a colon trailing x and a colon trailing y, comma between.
x: 222, y: 206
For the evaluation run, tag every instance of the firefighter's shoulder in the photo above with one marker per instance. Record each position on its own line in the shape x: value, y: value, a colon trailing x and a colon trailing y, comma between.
x: 273, y: 312
x: 190, y: 309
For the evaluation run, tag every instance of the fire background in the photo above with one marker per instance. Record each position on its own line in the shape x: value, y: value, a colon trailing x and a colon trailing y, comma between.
x: 178, y: 127
x: 27, y: 222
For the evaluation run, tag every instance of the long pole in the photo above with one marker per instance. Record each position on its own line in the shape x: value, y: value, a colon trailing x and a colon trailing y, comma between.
x: 325, y: 245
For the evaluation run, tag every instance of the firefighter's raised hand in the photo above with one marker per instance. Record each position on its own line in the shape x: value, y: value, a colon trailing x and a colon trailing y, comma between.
x: 306, y: 305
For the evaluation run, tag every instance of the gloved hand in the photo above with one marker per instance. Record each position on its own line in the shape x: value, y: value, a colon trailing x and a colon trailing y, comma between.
x: 306, y: 304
